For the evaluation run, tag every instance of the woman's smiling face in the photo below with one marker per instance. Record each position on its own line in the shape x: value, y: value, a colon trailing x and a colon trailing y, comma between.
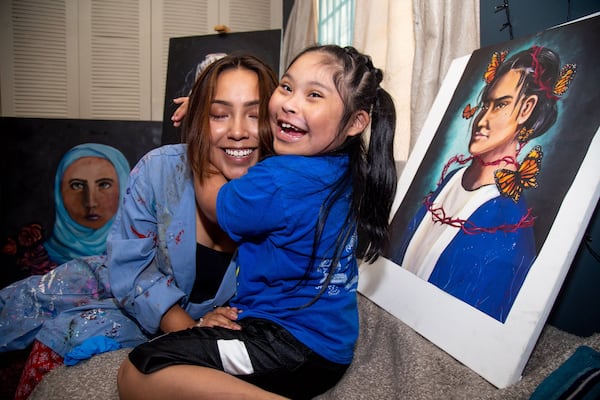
x: 234, y: 122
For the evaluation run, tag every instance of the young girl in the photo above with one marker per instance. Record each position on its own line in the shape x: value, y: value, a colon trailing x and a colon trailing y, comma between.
x: 295, y: 217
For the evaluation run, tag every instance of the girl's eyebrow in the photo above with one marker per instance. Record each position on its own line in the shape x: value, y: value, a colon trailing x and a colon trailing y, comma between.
x: 320, y: 84
x: 286, y: 75
x: 310, y: 83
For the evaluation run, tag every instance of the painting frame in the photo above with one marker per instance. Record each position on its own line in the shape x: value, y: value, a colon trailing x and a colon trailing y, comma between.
x: 497, y: 351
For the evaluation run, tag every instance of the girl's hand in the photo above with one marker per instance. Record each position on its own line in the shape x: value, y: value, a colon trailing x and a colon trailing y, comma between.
x: 221, y: 316
x: 181, y: 111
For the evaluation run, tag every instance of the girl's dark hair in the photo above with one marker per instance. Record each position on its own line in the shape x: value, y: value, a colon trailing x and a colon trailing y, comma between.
x: 372, y: 171
x: 540, y: 69
x: 196, y: 128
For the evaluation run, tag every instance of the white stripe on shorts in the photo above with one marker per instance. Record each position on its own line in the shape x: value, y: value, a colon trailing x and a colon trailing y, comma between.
x: 234, y: 357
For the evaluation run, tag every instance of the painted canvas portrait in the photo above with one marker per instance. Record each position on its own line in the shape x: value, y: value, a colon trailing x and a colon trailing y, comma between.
x: 499, y: 165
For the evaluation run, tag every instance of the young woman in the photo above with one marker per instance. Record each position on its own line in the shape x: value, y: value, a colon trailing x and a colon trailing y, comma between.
x: 160, y: 233
x: 295, y: 217
x: 167, y: 264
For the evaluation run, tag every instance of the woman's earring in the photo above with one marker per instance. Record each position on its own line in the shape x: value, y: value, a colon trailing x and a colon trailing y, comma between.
x: 524, y: 135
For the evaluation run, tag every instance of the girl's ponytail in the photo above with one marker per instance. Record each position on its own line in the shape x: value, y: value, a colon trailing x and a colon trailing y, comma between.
x: 380, y: 178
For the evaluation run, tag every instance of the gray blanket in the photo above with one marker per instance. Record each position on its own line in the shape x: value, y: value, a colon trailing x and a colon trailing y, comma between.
x: 392, y: 362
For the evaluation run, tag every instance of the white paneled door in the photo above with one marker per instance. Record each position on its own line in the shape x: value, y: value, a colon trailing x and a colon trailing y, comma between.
x: 105, y: 59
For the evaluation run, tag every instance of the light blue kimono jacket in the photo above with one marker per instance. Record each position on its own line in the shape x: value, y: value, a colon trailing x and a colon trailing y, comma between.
x: 151, y: 265
x: 152, y: 246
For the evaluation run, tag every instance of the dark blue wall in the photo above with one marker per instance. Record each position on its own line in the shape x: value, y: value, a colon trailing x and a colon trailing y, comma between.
x: 529, y: 16
x: 577, y: 308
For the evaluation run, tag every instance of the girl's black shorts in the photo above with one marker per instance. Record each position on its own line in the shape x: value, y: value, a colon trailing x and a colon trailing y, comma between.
x: 262, y: 353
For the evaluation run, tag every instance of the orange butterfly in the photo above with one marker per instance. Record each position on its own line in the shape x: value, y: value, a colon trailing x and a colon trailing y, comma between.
x: 469, y: 111
x: 511, y: 183
x: 524, y: 134
x: 566, y: 76
x: 497, y: 59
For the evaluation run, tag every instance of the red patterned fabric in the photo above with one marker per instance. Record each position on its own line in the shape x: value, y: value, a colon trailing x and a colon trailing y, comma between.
x: 24, y: 254
x: 42, y: 360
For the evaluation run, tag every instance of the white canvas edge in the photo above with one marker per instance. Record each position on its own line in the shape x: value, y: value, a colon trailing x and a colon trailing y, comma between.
x: 497, y: 352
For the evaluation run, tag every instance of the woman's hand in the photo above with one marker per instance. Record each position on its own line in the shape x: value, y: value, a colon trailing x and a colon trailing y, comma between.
x: 221, y: 316
x: 176, y: 319
x: 181, y: 111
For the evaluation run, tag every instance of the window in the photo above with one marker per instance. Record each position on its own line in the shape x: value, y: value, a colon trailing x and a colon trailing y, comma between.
x: 336, y: 22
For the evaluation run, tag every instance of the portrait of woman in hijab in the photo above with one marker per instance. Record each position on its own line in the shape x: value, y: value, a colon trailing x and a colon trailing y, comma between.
x: 88, y: 186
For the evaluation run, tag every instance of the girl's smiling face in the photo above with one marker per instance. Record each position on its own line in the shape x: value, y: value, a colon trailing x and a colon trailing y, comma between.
x: 306, y: 108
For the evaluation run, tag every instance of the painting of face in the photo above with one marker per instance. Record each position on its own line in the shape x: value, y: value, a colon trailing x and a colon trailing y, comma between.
x: 234, y: 122
x: 495, y: 128
x: 90, y: 191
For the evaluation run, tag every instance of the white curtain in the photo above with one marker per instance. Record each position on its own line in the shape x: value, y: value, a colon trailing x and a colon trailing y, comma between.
x: 383, y: 29
x: 414, y: 43
x: 444, y: 30
x: 300, y: 32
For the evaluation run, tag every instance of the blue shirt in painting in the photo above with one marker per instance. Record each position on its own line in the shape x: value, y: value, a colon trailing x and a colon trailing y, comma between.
x: 483, y: 269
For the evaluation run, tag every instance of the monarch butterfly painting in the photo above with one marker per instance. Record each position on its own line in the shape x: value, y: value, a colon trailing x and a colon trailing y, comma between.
x: 566, y: 76
x: 524, y: 135
x: 497, y: 59
x: 469, y: 111
x: 511, y: 183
